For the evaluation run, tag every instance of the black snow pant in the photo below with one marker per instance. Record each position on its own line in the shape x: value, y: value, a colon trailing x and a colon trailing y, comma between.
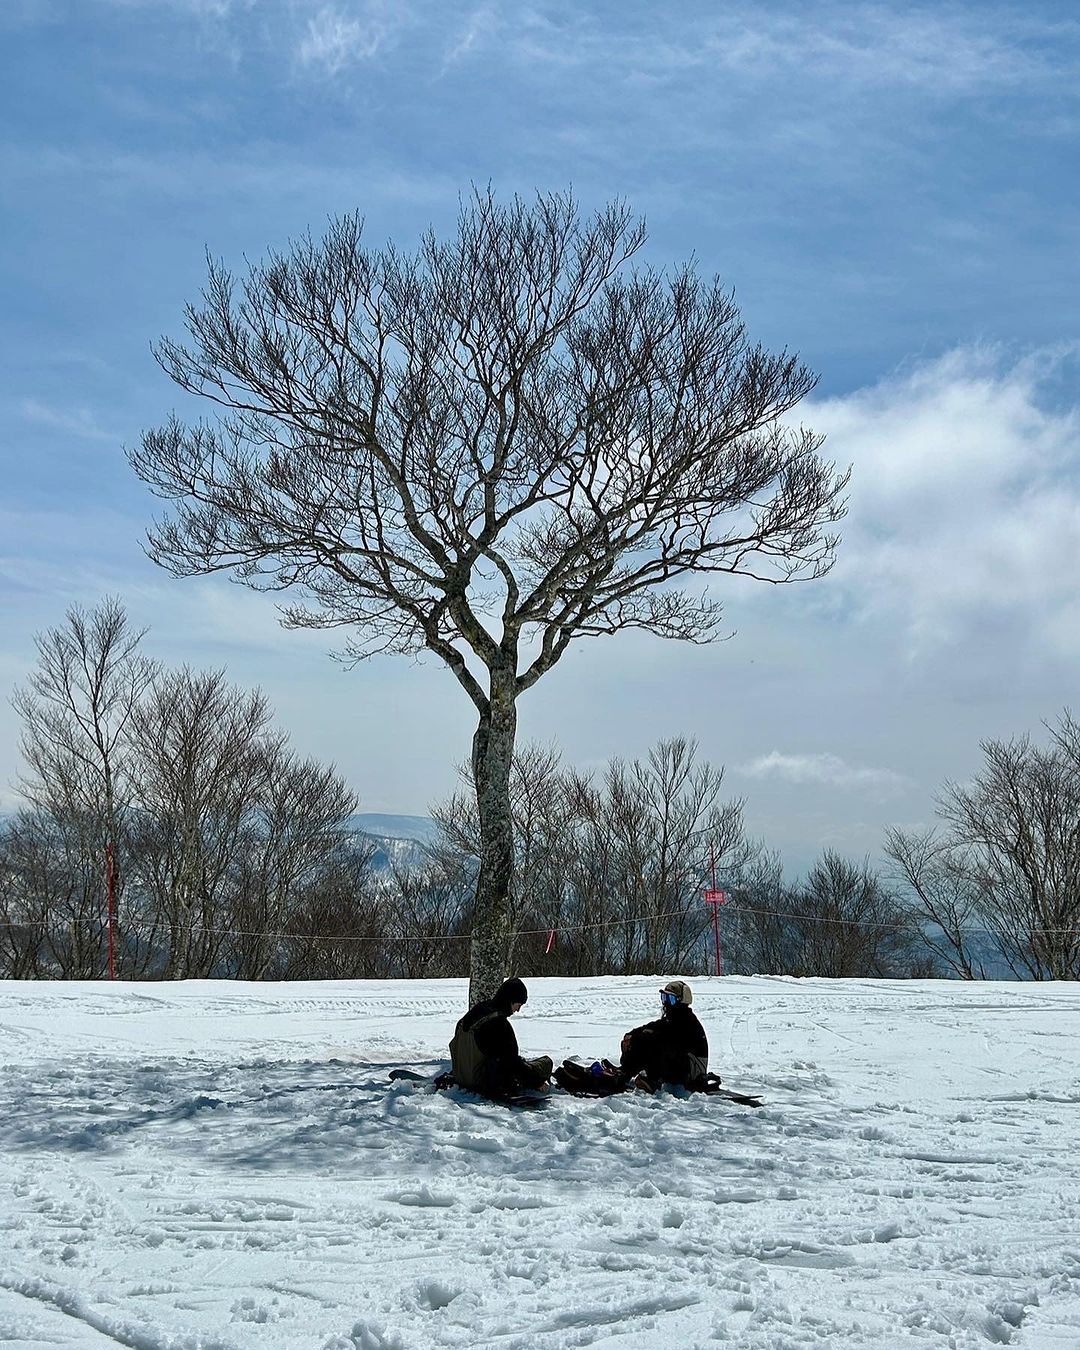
x: 647, y: 1054
x: 502, y: 1080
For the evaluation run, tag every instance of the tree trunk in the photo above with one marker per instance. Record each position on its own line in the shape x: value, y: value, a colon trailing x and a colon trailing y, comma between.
x: 493, y: 749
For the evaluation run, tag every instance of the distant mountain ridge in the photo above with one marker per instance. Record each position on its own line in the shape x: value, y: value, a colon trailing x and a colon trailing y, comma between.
x: 422, y: 829
x: 399, y: 840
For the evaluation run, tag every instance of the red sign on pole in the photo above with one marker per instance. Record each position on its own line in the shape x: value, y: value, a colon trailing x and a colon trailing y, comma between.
x: 716, y: 899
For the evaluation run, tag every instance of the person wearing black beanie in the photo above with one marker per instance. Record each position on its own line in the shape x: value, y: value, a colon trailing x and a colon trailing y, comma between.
x: 511, y: 991
x: 484, y: 1051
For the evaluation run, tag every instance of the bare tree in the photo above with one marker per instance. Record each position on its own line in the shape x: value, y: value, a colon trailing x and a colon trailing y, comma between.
x: 486, y: 449
x: 429, y: 908
x: 543, y: 827
x: 617, y: 866
x: 842, y: 922
x: 762, y: 937
x: 297, y: 837
x: 665, y: 826
x: 46, y: 927
x: 219, y: 832
x: 1008, y: 860
x: 203, y: 751
x: 76, y: 710
x: 938, y: 875
x: 852, y: 925
x: 338, y: 922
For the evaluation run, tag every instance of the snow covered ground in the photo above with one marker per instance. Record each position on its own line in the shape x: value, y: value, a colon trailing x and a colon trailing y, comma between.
x: 202, y: 1165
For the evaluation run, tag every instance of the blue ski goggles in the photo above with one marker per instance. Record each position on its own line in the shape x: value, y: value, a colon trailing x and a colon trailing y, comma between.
x: 668, y: 999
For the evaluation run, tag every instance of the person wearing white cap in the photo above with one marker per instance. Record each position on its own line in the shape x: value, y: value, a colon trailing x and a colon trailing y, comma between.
x: 673, y: 1049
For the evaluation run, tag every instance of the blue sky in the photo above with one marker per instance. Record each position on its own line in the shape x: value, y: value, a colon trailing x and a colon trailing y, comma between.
x: 891, y: 189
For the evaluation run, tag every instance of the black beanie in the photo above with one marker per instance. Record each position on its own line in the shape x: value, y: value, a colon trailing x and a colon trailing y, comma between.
x: 510, y: 991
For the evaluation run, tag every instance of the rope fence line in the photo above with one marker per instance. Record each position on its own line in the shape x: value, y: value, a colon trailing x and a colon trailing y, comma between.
x: 899, y: 927
x: 547, y: 930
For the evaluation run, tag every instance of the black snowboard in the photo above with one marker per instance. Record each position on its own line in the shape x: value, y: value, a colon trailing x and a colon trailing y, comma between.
x: 740, y: 1098
x: 603, y: 1079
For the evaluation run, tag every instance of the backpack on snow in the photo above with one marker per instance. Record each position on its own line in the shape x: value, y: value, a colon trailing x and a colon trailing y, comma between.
x: 599, y: 1079
x: 468, y: 1062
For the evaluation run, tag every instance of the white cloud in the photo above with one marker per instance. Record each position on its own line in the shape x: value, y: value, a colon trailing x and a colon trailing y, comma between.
x: 202, y: 9
x: 79, y: 422
x: 336, y: 38
x: 828, y: 769
x: 947, y: 52
x: 249, y: 172
x: 481, y: 25
x: 955, y: 51
x: 965, y: 502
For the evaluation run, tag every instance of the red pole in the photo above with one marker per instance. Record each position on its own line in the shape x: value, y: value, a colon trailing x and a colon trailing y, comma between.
x: 715, y: 898
x: 716, y: 936
x: 110, y: 874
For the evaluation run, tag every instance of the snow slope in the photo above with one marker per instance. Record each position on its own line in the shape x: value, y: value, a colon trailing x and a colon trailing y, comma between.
x: 202, y: 1165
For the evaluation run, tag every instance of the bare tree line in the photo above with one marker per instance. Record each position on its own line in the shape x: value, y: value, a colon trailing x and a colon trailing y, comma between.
x: 842, y: 921
x: 998, y: 880
x: 232, y: 857
x: 216, y: 830
x: 609, y: 871
x: 992, y: 888
x: 235, y: 858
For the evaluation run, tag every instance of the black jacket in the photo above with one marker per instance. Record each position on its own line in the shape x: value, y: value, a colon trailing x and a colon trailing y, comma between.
x: 673, y: 1049
x: 679, y: 1030
x: 495, y: 1037
x: 484, y: 1052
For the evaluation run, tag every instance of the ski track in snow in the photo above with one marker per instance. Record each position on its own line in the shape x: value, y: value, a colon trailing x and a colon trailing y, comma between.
x: 211, y: 1166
